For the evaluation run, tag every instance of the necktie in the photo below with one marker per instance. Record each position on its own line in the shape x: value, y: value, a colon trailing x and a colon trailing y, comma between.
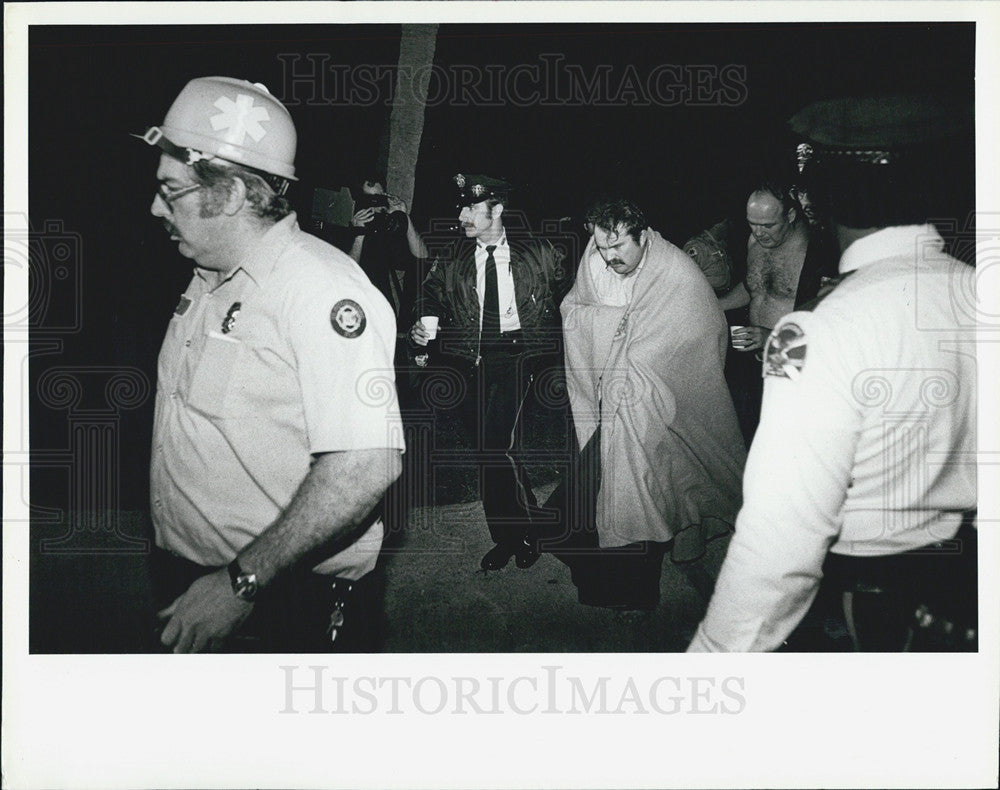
x: 491, y: 300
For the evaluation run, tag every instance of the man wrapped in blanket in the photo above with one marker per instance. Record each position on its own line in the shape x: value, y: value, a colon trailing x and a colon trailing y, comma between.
x: 661, y: 453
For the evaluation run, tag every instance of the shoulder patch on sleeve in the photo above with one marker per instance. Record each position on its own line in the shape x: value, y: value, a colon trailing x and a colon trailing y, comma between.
x: 785, y: 352
x: 348, y: 318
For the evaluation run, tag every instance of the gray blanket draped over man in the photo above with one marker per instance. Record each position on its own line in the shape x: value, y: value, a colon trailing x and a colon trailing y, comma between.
x: 650, y: 373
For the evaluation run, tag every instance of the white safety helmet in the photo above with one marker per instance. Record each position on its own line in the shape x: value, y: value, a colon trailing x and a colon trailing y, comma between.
x: 230, y: 119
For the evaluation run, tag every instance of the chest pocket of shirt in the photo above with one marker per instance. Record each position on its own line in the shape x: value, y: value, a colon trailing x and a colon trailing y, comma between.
x: 212, y: 381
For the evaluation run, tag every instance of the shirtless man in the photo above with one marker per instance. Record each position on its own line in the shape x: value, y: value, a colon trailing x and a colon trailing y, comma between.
x: 786, y: 260
x: 776, y: 252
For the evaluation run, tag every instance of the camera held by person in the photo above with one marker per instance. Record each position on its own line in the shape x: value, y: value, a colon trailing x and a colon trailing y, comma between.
x: 375, y: 214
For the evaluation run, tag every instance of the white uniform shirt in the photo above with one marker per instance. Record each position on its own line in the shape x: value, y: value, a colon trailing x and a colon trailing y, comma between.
x: 509, y: 320
x: 866, y: 444
x: 245, y: 399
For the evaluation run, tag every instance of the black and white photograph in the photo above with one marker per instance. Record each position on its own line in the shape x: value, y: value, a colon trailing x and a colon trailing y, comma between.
x: 393, y: 391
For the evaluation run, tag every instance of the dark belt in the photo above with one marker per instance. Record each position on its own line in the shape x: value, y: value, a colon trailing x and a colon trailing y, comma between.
x: 928, y: 594
x: 505, y: 339
x: 509, y: 344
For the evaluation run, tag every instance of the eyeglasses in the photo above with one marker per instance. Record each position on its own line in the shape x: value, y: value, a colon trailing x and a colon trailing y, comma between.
x: 168, y: 195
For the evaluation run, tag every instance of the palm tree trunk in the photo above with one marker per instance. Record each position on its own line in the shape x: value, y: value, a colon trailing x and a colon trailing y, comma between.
x: 406, y: 123
x: 406, y: 126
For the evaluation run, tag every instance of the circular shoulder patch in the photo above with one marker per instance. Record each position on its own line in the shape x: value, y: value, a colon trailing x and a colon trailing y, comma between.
x: 785, y: 352
x: 348, y: 319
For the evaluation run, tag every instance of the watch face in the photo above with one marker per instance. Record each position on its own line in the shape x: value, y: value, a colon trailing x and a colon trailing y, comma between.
x: 246, y: 587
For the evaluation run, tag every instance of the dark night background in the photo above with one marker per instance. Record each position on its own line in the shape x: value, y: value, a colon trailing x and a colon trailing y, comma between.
x: 89, y: 87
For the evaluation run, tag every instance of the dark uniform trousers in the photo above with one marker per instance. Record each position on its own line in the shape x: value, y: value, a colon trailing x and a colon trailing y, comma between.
x: 924, y: 600
x: 301, y: 612
x: 491, y: 414
x: 744, y: 375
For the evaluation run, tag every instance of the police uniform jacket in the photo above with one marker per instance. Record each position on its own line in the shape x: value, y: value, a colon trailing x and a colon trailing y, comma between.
x: 449, y: 292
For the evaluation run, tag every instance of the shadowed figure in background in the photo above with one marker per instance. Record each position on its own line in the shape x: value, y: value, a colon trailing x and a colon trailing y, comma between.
x: 386, y: 242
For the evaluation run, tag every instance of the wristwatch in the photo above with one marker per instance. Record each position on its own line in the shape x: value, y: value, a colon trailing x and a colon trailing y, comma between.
x: 244, y: 584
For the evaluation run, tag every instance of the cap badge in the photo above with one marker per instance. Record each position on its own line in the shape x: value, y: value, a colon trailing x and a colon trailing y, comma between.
x: 460, y: 181
x: 803, y: 153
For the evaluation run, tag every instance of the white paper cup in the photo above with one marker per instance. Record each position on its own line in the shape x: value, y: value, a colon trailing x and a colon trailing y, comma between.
x: 430, y: 323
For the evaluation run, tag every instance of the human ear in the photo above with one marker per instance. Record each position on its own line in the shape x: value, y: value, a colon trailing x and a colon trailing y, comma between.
x: 237, y: 197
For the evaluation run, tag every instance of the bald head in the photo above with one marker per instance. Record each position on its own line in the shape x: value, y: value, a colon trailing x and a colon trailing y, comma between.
x: 770, y: 222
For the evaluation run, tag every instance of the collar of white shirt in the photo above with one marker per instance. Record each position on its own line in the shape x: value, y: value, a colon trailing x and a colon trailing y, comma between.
x: 501, y: 254
x: 263, y: 255
x: 915, y: 240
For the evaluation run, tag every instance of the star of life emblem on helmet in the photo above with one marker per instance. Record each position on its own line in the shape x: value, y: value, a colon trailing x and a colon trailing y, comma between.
x: 240, y: 118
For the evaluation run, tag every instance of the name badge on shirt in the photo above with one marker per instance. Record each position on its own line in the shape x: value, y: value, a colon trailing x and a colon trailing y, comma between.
x: 230, y: 320
x: 182, y: 306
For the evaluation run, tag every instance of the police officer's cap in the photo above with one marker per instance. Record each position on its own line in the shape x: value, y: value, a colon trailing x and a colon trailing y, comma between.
x: 474, y: 189
x: 879, y: 129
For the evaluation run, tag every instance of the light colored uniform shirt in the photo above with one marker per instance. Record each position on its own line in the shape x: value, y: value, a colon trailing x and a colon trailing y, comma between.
x: 245, y: 399
x: 613, y: 289
x: 866, y: 444
x: 509, y: 320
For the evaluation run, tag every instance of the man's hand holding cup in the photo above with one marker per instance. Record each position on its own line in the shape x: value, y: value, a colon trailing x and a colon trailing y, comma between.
x: 424, y: 330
